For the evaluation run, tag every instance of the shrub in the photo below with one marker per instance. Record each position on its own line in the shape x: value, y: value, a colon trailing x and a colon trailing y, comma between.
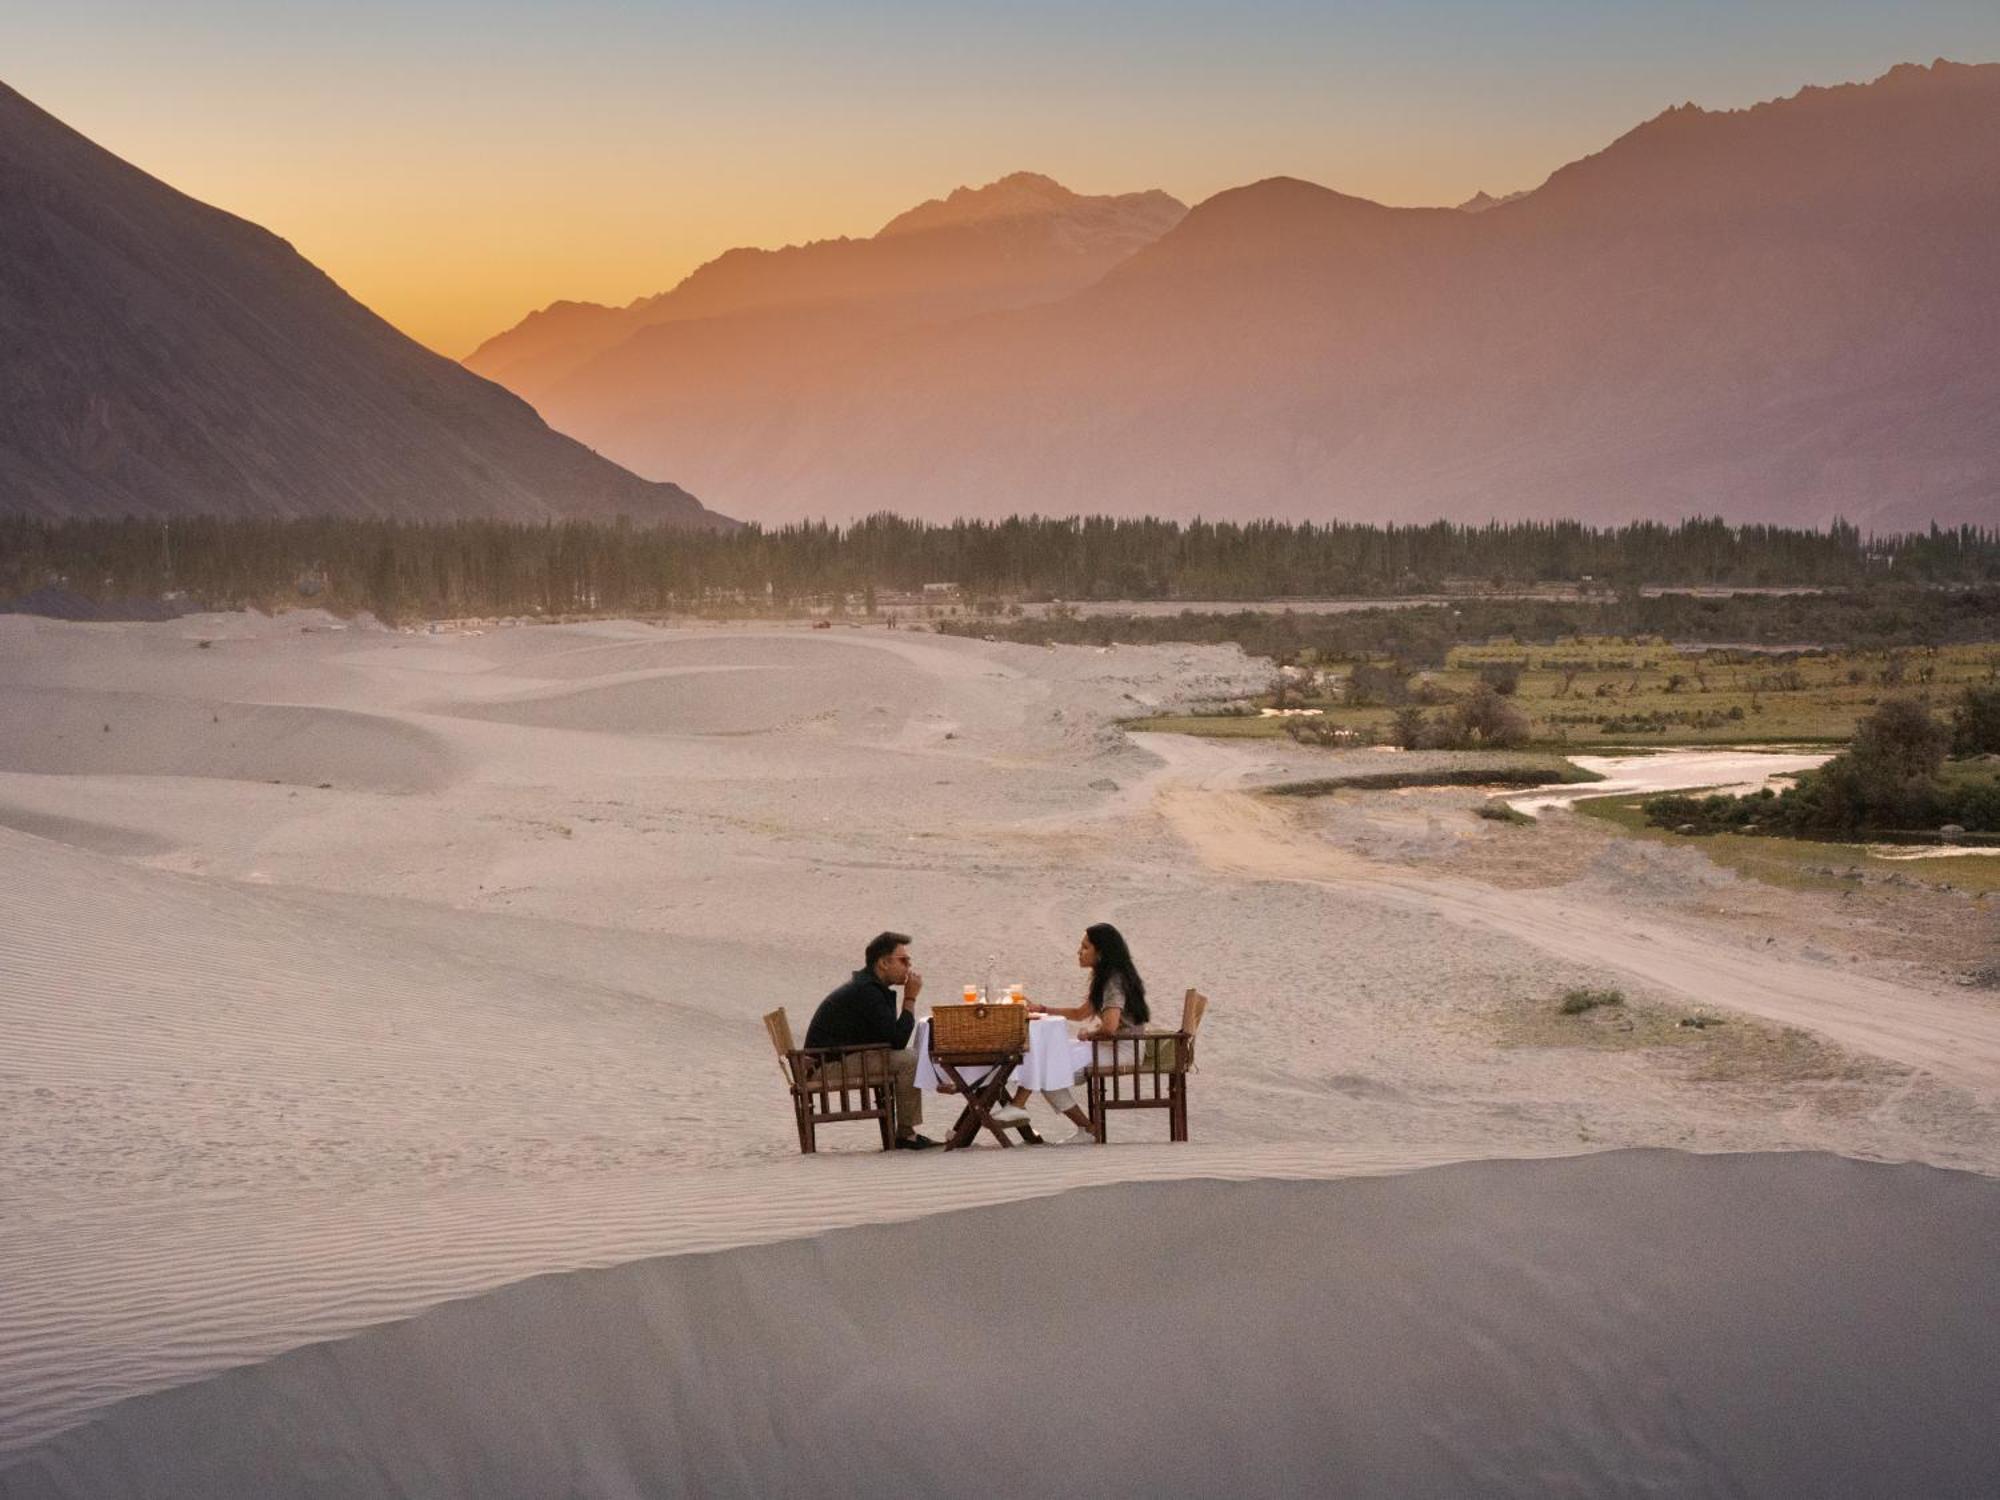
x: 1975, y: 721
x: 1900, y: 741
x: 1371, y: 685
x: 1320, y: 732
x: 1484, y: 720
x: 1887, y: 779
x: 1974, y: 807
x: 1504, y: 677
x: 1576, y: 1002
x: 1410, y: 728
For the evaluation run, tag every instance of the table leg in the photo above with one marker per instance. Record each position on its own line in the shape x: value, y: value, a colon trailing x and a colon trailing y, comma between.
x: 966, y: 1126
x: 999, y: 1133
x: 980, y: 1098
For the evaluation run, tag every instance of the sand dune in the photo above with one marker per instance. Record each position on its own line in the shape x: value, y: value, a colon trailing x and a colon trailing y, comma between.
x: 82, y: 833
x: 575, y: 659
x: 58, y: 731
x: 1412, y: 1336
x: 716, y: 699
x: 279, y: 1063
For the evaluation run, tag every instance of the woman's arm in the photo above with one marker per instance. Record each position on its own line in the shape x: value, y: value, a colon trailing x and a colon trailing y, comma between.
x: 1073, y: 1013
x: 1108, y: 1020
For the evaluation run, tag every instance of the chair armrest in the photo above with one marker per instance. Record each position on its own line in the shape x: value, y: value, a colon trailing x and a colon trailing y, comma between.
x: 807, y: 1061
x: 1127, y: 1055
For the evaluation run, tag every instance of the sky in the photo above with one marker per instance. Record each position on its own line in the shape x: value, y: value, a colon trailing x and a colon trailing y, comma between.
x: 456, y: 165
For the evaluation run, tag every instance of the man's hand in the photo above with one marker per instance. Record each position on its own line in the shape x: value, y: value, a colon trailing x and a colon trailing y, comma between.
x: 913, y: 984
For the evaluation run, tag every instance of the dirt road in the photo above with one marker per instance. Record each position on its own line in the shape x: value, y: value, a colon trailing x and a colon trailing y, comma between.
x: 1953, y: 1037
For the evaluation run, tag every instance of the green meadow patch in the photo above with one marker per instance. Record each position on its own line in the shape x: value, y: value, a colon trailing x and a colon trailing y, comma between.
x: 1612, y: 694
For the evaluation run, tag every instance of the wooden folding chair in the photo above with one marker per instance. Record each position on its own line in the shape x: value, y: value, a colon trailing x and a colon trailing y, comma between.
x: 1145, y: 1069
x: 832, y: 1084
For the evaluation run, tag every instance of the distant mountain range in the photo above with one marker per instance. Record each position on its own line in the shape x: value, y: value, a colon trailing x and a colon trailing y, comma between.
x: 161, y: 358
x: 1785, y: 313
x: 1022, y: 239
x: 682, y: 371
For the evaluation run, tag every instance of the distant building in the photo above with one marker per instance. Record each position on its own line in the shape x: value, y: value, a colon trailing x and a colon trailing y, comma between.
x: 940, y: 591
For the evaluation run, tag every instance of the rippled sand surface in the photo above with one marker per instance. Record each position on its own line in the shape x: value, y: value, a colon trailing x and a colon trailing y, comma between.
x: 345, y: 973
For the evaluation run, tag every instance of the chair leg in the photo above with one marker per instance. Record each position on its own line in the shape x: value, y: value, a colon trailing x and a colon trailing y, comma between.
x: 808, y: 1140
x: 1177, y: 1124
x: 1099, y: 1115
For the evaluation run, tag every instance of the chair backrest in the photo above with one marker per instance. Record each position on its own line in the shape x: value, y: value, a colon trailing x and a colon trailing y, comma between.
x: 779, y: 1025
x: 1193, y: 1008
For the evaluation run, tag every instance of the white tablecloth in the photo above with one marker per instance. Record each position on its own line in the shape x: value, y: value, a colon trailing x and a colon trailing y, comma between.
x: 1054, y: 1060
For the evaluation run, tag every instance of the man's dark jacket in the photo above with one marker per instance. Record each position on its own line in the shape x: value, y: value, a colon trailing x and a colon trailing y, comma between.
x: 862, y: 1010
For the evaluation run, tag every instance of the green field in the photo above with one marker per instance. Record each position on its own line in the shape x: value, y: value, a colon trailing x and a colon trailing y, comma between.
x: 1804, y: 863
x: 1593, y: 694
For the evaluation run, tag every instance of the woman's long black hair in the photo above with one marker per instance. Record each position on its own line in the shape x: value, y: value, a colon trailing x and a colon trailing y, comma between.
x: 1113, y: 957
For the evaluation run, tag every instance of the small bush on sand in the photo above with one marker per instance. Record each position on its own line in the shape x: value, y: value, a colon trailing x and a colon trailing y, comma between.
x: 1485, y: 720
x: 1975, y: 722
x: 1576, y: 1002
x: 1409, y: 728
x: 1378, y: 685
x: 1500, y: 812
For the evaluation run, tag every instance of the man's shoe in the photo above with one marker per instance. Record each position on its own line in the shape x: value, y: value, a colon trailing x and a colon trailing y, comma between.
x: 916, y: 1143
x: 1010, y: 1114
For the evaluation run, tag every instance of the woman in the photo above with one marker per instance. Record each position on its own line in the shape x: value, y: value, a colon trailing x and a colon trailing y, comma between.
x: 1115, y: 1002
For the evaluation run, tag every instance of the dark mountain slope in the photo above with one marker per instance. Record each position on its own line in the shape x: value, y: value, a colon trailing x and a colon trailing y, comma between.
x: 162, y: 357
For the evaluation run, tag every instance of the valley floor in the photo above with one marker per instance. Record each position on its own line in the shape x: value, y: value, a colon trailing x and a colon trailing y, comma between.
x: 344, y: 972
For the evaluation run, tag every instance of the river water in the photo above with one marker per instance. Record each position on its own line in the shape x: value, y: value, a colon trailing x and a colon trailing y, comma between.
x: 1727, y: 768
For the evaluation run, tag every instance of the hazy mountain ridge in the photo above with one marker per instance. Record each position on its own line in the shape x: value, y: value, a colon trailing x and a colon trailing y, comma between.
x: 166, y: 358
x: 1027, y: 195
x: 1019, y: 240
x: 1781, y: 313
x: 1482, y: 200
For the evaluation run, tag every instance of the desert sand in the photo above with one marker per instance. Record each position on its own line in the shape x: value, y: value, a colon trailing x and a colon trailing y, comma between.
x: 347, y: 972
x: 1408, y: 1336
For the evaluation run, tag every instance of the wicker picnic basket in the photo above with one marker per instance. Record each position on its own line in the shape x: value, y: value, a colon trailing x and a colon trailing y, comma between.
x: 979, y: 1028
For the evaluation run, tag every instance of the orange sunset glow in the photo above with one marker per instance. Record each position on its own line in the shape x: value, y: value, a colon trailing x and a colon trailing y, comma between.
x: 457, y: 166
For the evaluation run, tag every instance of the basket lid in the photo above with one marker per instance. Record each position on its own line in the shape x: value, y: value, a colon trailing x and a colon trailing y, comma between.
x: 978, y: 1027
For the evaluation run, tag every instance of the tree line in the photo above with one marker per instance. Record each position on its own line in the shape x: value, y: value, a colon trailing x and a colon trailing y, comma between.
x: 1861, y: 619
x: 403, y: 570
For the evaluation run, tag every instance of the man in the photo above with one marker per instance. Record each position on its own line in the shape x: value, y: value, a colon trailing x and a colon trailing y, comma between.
x: 863, y: 1010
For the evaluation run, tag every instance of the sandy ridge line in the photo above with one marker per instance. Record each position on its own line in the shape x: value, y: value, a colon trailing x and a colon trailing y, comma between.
x: 100, y: 1304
